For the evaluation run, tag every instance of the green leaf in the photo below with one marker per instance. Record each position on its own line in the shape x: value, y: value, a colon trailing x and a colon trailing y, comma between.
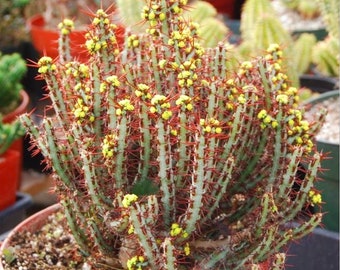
x: 9, y: 255
x: 144, y: 187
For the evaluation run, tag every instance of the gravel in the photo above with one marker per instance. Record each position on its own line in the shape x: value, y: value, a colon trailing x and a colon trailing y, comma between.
x: 292, y: 21
x: 330, y: 131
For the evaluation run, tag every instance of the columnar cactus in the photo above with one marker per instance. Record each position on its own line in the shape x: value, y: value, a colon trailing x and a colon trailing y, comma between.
x: 326, y: 54
x: 260, y: 27
x: 305, y: 8
x: 164, y: 162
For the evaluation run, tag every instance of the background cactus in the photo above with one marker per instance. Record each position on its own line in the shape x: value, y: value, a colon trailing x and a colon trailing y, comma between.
x: 306, y: 8
x: 326, y: 54
x: 260, y: 26
x: 163, y: 160
x: 12, y: 70
x: 212, y: 31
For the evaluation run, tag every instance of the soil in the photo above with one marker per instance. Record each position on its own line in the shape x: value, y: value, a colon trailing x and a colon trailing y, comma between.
x: 330, y: 131
x: 51, y: 247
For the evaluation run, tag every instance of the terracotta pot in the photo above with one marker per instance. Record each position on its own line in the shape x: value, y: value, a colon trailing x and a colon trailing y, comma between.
x: 30, y: 224
x: 45, y: 40
x: 9, y: 177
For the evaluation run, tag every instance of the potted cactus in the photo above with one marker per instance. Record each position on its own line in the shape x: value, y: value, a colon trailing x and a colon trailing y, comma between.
x: 162, y: 161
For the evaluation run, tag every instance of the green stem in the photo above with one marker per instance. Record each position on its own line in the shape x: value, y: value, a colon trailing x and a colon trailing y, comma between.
x: 120, y: 169
x: 166, y: 183
x: 197, y: 189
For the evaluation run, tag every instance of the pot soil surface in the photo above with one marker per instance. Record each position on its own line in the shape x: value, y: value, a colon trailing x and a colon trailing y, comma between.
x: 51, y: 247
x: 330, y: 130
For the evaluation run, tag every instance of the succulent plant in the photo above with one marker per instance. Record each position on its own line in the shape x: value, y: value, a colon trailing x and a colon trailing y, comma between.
x: 12, y: 70
x: 164, y: 160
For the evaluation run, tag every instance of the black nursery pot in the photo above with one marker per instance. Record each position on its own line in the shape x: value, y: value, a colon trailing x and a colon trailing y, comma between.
x: 317, y: 83
x: 317, y: 251
x: 14, y: 214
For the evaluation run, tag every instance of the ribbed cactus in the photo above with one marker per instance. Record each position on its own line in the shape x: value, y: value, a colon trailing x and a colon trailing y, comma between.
x: 260, y: 26
x: 213, y: 30
x: 307, y: 9
x: 326, y: 53
x: 12, y: 70
x: 129, y: 13
x: 162, y: 160
x: 303, y: 48
x: 253, y: 11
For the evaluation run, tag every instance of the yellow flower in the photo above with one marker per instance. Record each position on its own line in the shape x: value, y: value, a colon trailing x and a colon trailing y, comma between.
x: 131, y: 229
x: 175, y: 230
x: 282, y: 99
x: 129, y: 199
x: 315, y: 197
x: 187, y: 249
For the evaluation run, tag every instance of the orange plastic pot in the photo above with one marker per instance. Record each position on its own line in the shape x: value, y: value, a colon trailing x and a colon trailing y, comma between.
x: 9, y: 177
x: 17, y: 145
x: 12, y: 116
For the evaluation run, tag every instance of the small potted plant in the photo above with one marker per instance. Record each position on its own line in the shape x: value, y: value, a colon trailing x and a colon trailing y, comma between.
x: 163, y: 161
x: 13, y: 99
x: 12, y: 70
